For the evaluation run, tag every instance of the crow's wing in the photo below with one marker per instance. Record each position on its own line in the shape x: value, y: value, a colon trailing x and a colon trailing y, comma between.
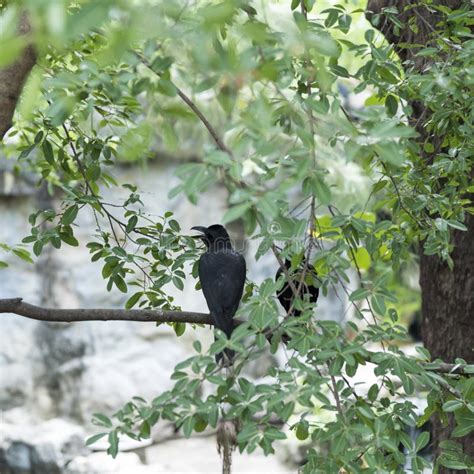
x: 222, y: 277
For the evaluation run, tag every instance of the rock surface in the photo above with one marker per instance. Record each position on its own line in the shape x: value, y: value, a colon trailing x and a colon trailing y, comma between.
x: 42, y: 448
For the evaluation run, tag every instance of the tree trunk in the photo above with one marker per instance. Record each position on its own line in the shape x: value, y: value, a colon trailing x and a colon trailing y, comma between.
x: 448, y: 300
x: 13, y: 77
x: 448, y: 309
x: 447, y: 296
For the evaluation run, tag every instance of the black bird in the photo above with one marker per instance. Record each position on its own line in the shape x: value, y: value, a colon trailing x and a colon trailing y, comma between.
x: 222, y: 276
x: 414, y: 328
x: 286, y: 294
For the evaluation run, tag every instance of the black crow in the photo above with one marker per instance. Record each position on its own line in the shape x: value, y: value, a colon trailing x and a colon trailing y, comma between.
x: 414, y: 328
x: 286, y: 295
x: 222, y: 276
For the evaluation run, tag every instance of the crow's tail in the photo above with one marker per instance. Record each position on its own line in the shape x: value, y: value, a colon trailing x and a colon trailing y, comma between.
x: 226, y: 324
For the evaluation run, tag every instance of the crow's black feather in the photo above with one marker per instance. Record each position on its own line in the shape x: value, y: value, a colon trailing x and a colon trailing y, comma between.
x: 286, y: 294
x: 222, y: 276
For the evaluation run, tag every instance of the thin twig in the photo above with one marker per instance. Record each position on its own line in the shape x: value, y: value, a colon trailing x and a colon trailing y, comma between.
x: 336, y: 396
x: 215, y: 136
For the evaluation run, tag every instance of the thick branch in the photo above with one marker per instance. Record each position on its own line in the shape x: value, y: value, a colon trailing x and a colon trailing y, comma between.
x: 13, y: 77
x: 17, y: 306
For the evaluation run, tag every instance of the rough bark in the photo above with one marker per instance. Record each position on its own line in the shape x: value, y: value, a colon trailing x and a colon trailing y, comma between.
x: 447, y: 296
x: 448, y: 314
x: 13, y: 77
x: 448, y: 300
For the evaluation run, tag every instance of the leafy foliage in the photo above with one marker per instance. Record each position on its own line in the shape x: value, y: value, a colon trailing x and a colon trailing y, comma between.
x: 124, y: 81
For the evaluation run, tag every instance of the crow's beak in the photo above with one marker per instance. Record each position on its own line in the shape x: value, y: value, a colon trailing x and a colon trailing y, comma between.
x: 203, y: 231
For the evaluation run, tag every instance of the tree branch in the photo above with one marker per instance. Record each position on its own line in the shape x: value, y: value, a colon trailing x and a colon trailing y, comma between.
x: 13, y: 77
x: 215, y: 136
x: 17, y: 306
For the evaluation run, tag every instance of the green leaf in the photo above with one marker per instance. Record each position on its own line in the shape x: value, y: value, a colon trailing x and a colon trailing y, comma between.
x: 178, y: 283
x: 200, y: 425
x: 37, y: 247
x: 249, y: 431
x: 23, y: 254
x: 345, y: 21
x: 427, y: 52
x: 101, y: 420
x: 452, y: 405
x: 95, y: 438
x: 113, y: 441
x: 48, y: 152
x: 132, y: 301
x: 273, y: 433
x: 457, y: 225
x: 452, y: 463
x: 393, y: 315
x: 39, y: 136
x: 295, y: 4
x: 235, y: 212
x: 145, y: 430
x: 324, y: 44
x: 378, y: 304
x: 450, y: 445
x: 359, y: 294
x: 26, y: 151
x: 373, y: 392
x: 70, y: 215
x: 166, y: 87
x: 422, y: 441
x: 322, y: 191
x: 462, y: 430
x: 387, y: 75
x: 120, y: 283
x: 131, y: 224
x: 174, y: 225
x: 302, y: 430
x: 362, y: 258
x: 391, y: 152
x: 391, y: 105
x: 188, y: 426
x: 366, y: 412
x: 179, y: 328
x: 369, y: 36
x: 332, y: 17
x: 218, y: 158
x: 69, y: 239
x: 268, y: 205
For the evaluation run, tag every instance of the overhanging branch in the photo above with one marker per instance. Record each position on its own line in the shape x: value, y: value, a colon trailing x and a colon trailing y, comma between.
x: 18, y: 306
